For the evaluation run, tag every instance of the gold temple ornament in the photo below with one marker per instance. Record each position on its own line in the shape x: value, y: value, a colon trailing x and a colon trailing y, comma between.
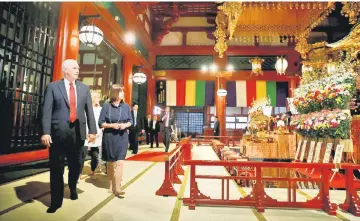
x: 256, y: 66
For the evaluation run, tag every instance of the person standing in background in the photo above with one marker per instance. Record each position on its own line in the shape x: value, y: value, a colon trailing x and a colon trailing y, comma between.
x: 216, y: 126
x: 147, y: 126
x: 168, y: 120
x: 135, y: 129
x: 94, y: 149
x: 63, y: 123
x: 154, y: 131
x: 115, y: 118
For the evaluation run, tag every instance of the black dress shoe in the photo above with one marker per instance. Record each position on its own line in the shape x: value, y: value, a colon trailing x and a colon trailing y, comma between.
x: 74, y: 196
x: 52, y: 209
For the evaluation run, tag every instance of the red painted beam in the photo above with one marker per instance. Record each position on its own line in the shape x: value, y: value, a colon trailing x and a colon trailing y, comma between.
x: 25, y: 157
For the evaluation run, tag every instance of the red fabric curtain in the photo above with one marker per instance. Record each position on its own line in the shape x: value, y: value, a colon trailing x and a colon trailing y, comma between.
x: 180, y: 92
x: 250, y: 92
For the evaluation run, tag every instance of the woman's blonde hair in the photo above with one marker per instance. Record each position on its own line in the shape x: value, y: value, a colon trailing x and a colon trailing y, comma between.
x: 95, y: 93
x: 115, y: 91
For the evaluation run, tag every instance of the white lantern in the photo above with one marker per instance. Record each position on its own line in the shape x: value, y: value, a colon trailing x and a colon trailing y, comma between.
x: 281, y: 65
x: 221, y: 92
x: 91, y: 35
x: 139, y: 77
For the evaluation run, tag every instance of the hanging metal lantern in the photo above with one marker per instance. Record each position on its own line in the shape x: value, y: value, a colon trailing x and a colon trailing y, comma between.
x: 90, y: 35
x: 256, y: 66
x: 331, y: 67
x: 281, y: 65
x: 306, y: 68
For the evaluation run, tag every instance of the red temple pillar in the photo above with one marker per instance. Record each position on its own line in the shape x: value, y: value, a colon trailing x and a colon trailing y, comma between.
x: 127, y: 78
x: 67, y: 44
x: 220, y: 102
x: 220, y: 105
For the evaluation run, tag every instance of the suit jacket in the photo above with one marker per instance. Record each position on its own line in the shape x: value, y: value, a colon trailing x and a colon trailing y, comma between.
x: 157, y: 127
x: 56, y: 109
x: 147, y: 127
x: 139, y: 122
x: 171, y: 120
x: 216, y: 128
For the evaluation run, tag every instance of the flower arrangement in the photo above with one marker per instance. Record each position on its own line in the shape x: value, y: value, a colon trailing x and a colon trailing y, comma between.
x: 323, y: 124
x: 329, y: 93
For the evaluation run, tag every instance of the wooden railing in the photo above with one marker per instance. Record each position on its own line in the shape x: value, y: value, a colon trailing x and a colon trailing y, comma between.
x: 258, y: 197
x: 173, y: 167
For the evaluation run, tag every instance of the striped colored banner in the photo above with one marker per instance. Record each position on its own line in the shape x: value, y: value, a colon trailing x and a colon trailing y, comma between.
x: 200, y: 93
x: 260, y: 89
x: 190, y: 93
x: 271, y: 92
x: 180, y: 92
x: 250, y: 92
x: 231, y: 94
x: 210, y: 93
x: 171, y: 93
x: 241, y: 94
x: 282, y: 90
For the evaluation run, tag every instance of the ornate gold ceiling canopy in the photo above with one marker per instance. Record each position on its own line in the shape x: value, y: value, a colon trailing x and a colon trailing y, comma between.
x: 263, y: 21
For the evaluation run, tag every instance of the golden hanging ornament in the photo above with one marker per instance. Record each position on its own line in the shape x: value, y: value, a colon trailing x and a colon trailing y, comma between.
x: 351, y: 10
x: 220, y: 34
x: 232, y: 10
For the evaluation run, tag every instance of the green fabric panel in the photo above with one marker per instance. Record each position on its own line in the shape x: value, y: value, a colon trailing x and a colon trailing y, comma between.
x: 271, y: 92
x: 200, y: 93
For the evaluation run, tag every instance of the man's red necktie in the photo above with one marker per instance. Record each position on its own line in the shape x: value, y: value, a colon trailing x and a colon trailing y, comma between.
x: 72, y: 103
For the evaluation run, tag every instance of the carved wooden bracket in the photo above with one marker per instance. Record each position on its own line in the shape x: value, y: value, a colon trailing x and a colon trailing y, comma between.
x: 166, y: 26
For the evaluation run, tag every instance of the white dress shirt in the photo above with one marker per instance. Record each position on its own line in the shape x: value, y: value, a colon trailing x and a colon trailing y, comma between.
x: 135, y: 117
x: 154, y: 124
x: 67, y: 87
x: 168, y: 118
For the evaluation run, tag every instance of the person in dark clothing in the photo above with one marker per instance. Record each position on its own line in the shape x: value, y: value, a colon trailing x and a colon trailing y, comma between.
x: 147, y: 126
x: 63, y: 123
x: 115, y: 118
x: 135, y: 129
x: 154, y: 131
x: 169, y: 127
x: 216, y: 126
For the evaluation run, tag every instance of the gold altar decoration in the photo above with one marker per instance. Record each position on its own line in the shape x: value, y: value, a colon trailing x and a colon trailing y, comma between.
x: 266, y: 21
x: 256, y: 66
x: 303, y: 47
x: 220, y: 34
x: 351, y: 10
x: 232, y: 10
x: 320, y: 54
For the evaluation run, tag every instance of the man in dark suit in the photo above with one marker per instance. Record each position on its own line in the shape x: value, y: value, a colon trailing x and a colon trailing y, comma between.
x: 216, y: 126
x: 154, y: 130
x: 135, y: 129
x: 147, y: 126
x: 169, y: 127
x: 64, y: 129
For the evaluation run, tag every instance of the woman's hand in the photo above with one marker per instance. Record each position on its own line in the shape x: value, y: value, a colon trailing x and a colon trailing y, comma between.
x: 115, y: 126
